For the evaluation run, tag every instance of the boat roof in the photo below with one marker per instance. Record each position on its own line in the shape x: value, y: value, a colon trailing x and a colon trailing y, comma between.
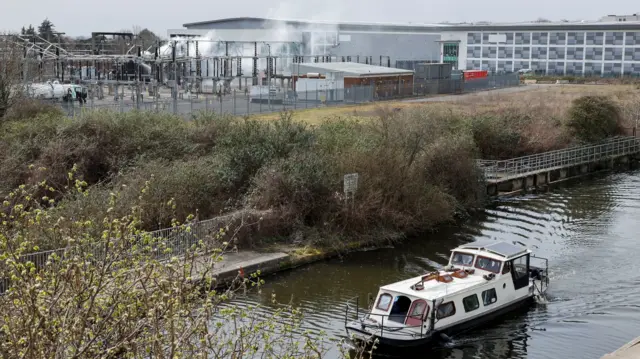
x: 502, y: 250
x: 434, y: 289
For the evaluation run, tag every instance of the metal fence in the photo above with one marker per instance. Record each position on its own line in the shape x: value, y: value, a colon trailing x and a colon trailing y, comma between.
x: 241, y: 102
x: 542, y: 162
x: 165, y: 243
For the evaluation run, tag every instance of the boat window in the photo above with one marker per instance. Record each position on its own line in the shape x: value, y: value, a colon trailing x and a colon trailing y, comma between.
x: 463, y: 259
x: 520, y: 267
x: 471, y: 303
x: 417, y: 312
x: 489, y: 296
x: 445, y: 310
x: 488, y: 264
x: 507, y: 268
x: 384, y: 302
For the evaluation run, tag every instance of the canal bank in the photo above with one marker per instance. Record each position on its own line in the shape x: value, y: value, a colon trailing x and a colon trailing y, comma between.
x: 267, y: 263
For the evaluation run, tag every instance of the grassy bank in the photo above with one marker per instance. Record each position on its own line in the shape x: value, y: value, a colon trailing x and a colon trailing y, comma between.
x: 416, y: 165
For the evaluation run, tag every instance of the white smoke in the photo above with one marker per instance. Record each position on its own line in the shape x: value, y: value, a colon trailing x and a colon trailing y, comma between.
x: 284, y: 41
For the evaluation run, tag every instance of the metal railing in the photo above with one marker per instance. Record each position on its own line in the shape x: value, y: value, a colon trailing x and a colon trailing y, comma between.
x: 166, y: 243
x: 380, y: 327
x: 542, y: 162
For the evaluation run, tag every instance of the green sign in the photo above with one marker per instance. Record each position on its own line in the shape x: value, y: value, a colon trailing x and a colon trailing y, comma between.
x: 450, y: 58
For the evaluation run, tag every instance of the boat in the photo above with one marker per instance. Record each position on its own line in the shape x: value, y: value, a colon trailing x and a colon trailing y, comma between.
x: 482, y: 281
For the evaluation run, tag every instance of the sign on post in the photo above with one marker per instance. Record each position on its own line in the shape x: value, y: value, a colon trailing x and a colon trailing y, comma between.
x: 350, y: 185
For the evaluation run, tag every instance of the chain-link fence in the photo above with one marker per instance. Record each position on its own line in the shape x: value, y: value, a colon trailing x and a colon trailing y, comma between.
x: 263, y: 99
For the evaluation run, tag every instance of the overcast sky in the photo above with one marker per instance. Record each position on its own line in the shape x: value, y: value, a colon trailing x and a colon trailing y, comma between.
x: 80, y: 18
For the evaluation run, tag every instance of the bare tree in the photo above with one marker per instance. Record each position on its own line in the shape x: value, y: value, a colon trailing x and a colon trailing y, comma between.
x: 11, y: 76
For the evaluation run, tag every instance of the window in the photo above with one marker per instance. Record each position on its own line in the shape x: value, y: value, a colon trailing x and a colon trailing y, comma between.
x: 488, y: 264
x: 417, y: 312
x: 446, y: 310
x: 507, y: 268
x: 489, y: 296
x: 384, y: 302
x: 470, y: 303
x: 520, y: 267
x: 463, y: 259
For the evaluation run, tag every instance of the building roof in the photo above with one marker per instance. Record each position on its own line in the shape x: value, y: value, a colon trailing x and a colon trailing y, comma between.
x: 302, y: 22
x: 430, y: 28
x: 354, y: 69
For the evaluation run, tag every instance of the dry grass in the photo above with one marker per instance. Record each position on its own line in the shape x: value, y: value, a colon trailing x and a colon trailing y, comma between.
x: 548, y: 101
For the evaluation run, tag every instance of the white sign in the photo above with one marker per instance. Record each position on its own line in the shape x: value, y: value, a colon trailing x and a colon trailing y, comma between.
x: 350, y: 183
x: 344, y: 38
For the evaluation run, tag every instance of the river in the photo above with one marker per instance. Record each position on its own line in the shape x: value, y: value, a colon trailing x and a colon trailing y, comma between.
x: 590, y: 231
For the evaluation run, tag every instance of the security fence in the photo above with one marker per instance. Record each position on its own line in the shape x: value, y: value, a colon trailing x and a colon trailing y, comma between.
x: 275, y: 99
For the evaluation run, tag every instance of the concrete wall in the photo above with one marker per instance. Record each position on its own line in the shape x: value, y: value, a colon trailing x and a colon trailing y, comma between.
x: 399, y: 46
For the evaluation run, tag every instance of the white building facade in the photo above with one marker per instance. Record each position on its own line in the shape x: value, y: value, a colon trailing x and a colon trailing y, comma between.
x: 597, y: 49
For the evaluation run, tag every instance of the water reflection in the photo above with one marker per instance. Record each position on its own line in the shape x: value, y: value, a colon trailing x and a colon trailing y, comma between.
x: 589, y: 232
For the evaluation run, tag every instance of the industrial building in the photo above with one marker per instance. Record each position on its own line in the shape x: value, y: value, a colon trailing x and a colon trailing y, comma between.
x: 355, y: 42
x: 382, y: 82
x: 609, y: 46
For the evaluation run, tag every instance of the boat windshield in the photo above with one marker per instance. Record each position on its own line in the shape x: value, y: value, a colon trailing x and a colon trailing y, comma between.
x: 464, y: 259
x: 488, y: 264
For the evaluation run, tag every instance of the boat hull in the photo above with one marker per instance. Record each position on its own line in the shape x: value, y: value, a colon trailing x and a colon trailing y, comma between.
x: 400, y: 347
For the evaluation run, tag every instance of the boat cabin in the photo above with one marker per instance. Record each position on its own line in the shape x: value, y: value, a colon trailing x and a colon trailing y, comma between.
x: 500, y: 265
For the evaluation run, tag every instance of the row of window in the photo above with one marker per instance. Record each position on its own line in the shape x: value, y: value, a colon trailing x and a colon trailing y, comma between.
x: 488, y: 264
x: 469, y: 303
x: 481, y: 262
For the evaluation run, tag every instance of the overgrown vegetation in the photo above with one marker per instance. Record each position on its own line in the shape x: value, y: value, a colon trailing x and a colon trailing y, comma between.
x: 416, y: 166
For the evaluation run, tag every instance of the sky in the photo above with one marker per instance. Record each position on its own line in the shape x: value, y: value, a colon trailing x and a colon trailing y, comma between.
x: 81, y: 17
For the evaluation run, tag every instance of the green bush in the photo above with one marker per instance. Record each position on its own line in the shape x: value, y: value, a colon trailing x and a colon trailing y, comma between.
x: 495, y: 137
x: 593, y: 118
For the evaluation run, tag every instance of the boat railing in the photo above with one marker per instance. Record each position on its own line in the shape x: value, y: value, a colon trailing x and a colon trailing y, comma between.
x: 353, y: 311
x: 541, y: 262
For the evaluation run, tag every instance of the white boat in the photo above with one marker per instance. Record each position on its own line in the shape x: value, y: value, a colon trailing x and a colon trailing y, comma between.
x: 481, y: 282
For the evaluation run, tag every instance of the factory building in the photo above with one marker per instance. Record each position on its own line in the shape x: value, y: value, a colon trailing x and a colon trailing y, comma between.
x: 607, y: 47
x: 381, y: 44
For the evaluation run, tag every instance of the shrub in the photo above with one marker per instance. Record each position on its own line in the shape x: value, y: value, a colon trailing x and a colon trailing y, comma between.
x: 28, y: 109
x: 300, y: 187
x: 193, y: 185
x: 127, y: 293
x: 593, y: 118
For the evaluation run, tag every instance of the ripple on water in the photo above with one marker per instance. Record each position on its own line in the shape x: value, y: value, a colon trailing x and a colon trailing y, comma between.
x: 589, y: 232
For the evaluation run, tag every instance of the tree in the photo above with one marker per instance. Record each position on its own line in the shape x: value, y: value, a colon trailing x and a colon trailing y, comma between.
x: 46, y: 30
x: 11, y: 53
x: 118, y: 292
x: 30, y: 31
